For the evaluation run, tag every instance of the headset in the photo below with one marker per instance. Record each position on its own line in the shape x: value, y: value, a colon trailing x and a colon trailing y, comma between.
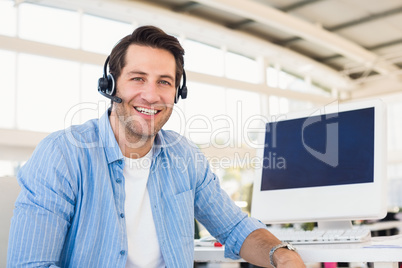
x: 107, y: 86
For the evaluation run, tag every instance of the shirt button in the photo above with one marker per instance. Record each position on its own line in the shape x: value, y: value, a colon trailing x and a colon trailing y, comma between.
x: 121, y: 215
x: 122, y: 252
x: 120, y: 161
x: 118, y: 180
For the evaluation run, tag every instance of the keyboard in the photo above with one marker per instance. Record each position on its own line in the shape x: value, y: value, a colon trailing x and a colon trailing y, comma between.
x: 319, y: 236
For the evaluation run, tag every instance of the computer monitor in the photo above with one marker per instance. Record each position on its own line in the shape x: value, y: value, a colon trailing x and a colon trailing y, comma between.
x: 326, y: 166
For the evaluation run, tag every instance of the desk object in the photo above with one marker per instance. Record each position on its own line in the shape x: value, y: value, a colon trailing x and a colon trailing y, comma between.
x: 384, y: 252
x: 325, y: 165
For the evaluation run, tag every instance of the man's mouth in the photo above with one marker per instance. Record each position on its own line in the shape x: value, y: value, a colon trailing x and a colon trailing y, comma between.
x: 146, y: 111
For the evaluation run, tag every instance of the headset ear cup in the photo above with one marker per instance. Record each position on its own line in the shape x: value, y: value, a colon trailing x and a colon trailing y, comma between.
x: 107, y: 85
x: 111, y: 88
x: 183, y: 92
x: 102, y: 84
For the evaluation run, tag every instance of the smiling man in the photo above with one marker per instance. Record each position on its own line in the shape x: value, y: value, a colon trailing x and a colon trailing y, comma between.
x: 147, y: 87
x: 122, y: 192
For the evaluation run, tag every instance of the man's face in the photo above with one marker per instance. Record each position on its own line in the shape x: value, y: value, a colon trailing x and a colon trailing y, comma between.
x: 147, y: 87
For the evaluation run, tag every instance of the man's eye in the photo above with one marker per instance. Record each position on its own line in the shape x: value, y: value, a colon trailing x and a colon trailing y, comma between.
x: 165, y: 82
x: 136, y: 79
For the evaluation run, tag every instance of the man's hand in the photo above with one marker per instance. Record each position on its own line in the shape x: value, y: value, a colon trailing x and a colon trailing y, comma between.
x: 257, y: 246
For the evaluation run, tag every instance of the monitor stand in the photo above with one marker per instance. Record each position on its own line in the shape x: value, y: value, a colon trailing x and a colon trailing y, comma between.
x: 332, y: 225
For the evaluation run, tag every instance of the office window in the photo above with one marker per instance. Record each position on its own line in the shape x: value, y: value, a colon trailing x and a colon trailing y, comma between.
x: 296, y: 105
x: 237, y: 181
x: 318, y: 90
x: 89, y: 82
x: 49, y: 25
x: 395, y: 171
x: 92, y: 103
x: 8, y: 18
x: 46, y: 94
x: 236, y: 166
x: 286, y: 81
x: 272, y: 77
x: 101, y: 35
x: 298, y: 84
x: 7, y: 169
x: 281, y: 79
x: 394, y: 110
x: 205, y: 115
x: 7, y: 71
x: 203, y: 58
x: 278, y: 105
x: 394, y: 134
x: 284, y: 106
x: 241, y: 68
x: 244, y: 108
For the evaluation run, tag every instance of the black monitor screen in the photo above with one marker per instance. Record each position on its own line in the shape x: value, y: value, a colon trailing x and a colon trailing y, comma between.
x: 324, y: 150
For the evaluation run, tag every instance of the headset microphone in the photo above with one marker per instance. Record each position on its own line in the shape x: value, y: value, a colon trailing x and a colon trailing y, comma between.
x: 113, y: 98
x: 107, y: 85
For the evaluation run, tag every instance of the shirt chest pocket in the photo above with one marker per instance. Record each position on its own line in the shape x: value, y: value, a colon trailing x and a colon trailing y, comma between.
x: 183, y: 206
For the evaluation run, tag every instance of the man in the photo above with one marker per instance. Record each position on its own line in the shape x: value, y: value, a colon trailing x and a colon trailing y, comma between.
x: 89, y: 198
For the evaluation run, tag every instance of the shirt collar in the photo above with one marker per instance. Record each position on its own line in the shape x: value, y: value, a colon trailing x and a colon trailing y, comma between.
x: 159, y: 143
x: 112, y: 149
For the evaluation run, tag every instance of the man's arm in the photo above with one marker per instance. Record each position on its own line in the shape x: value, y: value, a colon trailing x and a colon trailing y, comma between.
x: 257, y: 246
x: 42, y: 210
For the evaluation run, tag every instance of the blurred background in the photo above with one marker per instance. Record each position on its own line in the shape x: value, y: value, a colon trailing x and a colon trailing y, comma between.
x: 247, y: 62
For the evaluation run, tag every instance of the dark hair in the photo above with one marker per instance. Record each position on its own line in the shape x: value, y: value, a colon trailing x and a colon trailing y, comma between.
x: 147, y: 36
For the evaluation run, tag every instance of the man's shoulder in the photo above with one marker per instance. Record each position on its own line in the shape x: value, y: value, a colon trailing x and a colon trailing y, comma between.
x: 83, y: 133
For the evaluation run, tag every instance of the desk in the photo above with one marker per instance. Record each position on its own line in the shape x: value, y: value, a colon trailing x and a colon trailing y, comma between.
x: 384, y: 252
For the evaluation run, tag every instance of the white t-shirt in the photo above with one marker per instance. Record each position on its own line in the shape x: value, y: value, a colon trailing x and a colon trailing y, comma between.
x: 143, y: 246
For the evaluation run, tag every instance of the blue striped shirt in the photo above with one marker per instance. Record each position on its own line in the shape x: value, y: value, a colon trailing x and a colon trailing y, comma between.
x: 70, y: 212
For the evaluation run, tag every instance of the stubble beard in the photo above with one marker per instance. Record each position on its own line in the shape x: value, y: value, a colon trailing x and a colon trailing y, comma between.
x: 137, y: 130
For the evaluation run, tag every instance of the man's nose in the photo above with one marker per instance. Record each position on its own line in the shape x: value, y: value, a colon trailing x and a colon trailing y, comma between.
x: 151, y: 93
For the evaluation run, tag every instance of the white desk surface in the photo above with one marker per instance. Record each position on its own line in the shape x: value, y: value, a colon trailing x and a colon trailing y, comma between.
x: 383, y: 251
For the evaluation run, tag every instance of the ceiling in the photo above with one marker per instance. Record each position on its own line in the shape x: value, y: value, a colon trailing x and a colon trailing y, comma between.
x: 359, y: 39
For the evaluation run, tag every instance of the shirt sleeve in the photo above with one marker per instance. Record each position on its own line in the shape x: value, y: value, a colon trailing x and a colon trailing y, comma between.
x: 218, y: 213
x: 43, y: 209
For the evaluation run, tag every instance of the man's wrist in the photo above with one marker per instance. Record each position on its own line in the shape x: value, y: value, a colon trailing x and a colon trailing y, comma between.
x: 283, y: 245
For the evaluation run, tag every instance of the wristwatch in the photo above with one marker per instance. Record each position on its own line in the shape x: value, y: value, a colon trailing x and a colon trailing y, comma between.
x: 281, y: 245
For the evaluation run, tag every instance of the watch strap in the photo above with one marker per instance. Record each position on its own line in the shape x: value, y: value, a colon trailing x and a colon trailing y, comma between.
x: 281, y: 245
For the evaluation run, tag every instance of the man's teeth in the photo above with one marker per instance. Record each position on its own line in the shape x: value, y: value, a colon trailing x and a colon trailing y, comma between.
x: 146, y: 111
